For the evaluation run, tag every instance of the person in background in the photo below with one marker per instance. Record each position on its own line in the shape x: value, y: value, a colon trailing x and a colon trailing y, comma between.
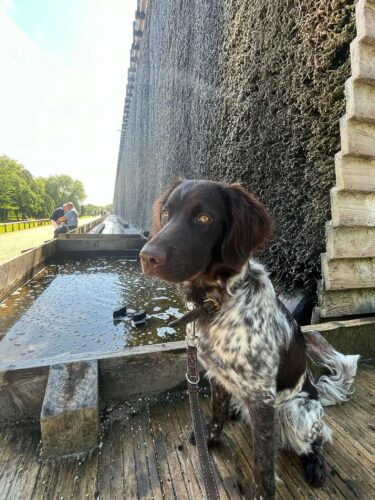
x: 59, y: 212
x: 70, y: 218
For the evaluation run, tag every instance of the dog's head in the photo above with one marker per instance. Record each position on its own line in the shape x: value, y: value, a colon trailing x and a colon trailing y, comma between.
x: 203, y: 228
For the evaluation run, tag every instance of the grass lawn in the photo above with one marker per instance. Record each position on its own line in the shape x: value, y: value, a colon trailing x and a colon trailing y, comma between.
x: 11, y: 244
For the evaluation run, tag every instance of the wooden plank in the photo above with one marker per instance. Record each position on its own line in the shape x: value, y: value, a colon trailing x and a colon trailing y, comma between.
x: 360, y: 101
x: 352, y: 208
x: 22, y: 392
x: 348, y: 273
x: 116, y: 477
x: 362, y: 57
x: 70, y: 417
x: 350, y: 336
x: 145, y: 429
x: 357, y: 138
x: 168, y: 471
x: 365, y: 21
x: 140, y: 375
x: 355, y: 174
x: 98, y: 243
x: 101, y: 237
x: 85, y: 480
x: 106, y: 358
x: 174, y: 457
x: 16, y: 465
x: 348, y: 242
x: 16, y: 271
x: 192, y: 473
x: 336, y: 303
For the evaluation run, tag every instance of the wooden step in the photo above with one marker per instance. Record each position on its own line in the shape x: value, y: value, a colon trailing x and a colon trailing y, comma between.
x: 360, y: 101
x: 70, y: 414
x: 356, y: 174
x: 365, y: 21
x: 339, y: 274
x: 357, y: 138
x: 362, y: 56
x: 336, y: 303
x: 352, y: 208
x: 348, y: 242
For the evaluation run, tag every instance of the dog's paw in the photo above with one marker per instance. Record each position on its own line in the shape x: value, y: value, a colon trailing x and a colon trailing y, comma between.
x: 213, y: 439
x: 314, y: 469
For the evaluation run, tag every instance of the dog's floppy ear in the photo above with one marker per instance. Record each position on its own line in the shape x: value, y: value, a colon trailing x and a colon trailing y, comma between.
x: 156, y: 221
x: 249, y: 227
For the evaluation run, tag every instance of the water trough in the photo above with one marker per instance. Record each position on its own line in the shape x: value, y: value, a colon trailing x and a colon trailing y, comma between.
x: 62, y: 356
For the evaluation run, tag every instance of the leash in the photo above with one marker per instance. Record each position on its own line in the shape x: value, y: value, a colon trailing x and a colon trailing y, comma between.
x: 209, y: 306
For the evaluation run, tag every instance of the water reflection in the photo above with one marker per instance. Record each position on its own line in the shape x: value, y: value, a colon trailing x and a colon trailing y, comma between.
x: 67, y: 308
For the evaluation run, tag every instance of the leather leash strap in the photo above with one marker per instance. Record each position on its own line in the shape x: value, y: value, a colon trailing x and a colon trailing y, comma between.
x: 209, y: 306
x: 200, y: 432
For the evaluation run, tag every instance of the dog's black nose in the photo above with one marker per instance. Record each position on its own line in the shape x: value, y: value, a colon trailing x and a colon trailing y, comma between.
x: 152, y: 256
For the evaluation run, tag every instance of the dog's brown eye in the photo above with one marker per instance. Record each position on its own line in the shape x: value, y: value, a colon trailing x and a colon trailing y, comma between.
x: 204, y: 218
x: 165, y: 213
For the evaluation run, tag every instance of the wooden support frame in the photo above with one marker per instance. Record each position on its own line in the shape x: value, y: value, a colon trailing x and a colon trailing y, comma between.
x: 348, y: 267
x: 144, y: 371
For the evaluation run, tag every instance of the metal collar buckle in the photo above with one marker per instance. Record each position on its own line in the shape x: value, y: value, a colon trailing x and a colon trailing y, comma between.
x: 211, y: 306
x: 190, y: 381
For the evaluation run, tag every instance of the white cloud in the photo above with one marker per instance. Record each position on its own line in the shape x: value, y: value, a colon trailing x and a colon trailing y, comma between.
x: 61, y: 115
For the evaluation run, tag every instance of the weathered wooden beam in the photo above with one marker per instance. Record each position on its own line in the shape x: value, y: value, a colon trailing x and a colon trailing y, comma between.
x: 69, y: 419
x: 142, y: 374
x: 22, y: 392
x: 356, y: 336
x: 365, y: 21
x: 360, y: 101
x: 336, y: 303
x: 350, y: 242
x: 16, y: 271
x: 105, y: 243
x: 357, y: 138
x: 355, y: 174
x: 341, y: 274
x: 362, y: 61
x: 352, y: 208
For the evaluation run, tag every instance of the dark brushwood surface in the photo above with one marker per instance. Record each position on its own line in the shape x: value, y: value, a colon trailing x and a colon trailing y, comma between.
x: 148, y: 455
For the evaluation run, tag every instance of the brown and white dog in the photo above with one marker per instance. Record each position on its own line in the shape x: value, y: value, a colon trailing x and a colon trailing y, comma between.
x: 204, y: 234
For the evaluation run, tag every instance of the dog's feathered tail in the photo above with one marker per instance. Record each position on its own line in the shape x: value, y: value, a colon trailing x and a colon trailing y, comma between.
x: 335, y: 387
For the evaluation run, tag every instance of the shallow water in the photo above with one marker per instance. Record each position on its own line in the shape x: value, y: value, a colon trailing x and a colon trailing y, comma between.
x: 67, y: 309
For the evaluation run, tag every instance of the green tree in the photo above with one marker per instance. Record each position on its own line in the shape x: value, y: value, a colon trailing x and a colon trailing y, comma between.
x: 89, y: 209
x: 62, y: 188
x: 48, y: 204
x: 18, y: 190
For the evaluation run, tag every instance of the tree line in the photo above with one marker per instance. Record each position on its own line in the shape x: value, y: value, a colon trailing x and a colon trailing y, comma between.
x: 23, y: 196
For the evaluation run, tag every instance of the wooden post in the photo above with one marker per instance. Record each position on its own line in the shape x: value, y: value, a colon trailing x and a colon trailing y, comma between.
x: 70, y: 414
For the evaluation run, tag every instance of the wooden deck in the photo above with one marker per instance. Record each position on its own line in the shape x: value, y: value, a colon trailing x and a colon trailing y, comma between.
x: 147, y: 455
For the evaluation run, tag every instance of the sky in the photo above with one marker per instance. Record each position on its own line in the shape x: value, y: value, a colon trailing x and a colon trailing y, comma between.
x: 63, y: 71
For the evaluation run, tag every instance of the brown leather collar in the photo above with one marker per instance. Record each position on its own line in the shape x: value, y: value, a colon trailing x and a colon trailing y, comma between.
x: 209, y: 306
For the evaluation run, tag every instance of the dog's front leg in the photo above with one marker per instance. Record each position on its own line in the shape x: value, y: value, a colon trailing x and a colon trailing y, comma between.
x: 220, y: 399
x: 262, y: 415
x: 220, y: 413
